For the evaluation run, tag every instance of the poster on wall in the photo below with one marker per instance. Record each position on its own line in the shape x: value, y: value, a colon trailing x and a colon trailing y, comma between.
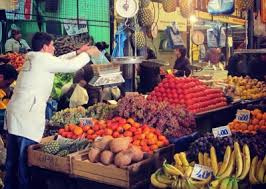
x: 8, y: 4
x: 23, y: 11
x: 72, y: 27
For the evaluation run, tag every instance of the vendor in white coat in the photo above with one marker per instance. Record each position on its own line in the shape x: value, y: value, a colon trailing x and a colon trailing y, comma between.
x: 16, y: 43
x: 25, y: 119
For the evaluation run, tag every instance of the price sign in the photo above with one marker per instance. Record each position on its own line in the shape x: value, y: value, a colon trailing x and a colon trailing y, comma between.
x: 221, y: 131
x: 201, y: 172
x: 85, y: 121
x: 243, y: 116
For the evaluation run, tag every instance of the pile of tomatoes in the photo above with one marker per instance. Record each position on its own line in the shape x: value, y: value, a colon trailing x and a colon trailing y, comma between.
x: 190, y: 92
x: 147, y: 138
x: 16, y: 59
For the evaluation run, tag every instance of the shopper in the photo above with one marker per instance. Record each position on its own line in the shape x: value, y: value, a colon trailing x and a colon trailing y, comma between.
x: 16, y: 43
x: 25, y: 118
x: 8, y: 74
x: 258, y: 68
x: 216, y: 58
x: 182, y: 64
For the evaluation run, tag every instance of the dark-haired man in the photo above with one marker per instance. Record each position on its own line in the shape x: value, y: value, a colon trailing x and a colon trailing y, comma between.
x: 25, y: 118
x: 8, y: 74
x: 16, y: 43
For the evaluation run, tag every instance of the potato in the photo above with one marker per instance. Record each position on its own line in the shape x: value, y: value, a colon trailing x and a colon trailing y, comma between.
x: 119, y: 144
x: 122, y: 159
x: 103, y: 143
x: 94, y: 155
x: 136, y: 153
x: 107, y: 157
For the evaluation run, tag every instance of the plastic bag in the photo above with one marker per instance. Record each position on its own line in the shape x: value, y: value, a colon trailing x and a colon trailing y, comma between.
x: 79, y: 97
x: 216, y: 37
x: 259, y: 27
x: 174, y: 38
x: 221, y: 6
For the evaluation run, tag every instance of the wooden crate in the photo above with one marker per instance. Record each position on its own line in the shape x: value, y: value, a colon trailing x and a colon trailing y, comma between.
x: 134, y: 176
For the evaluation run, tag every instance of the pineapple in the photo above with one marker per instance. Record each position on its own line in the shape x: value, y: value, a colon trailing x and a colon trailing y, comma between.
x: 140, y: 39
x: 144, y: 3
x: 145, y: 17
x: 186, y: 8
x: 169, y: 5
x: 51, y: 147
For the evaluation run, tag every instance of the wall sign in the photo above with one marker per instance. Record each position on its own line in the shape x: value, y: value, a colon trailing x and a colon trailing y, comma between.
x: 23, y: 11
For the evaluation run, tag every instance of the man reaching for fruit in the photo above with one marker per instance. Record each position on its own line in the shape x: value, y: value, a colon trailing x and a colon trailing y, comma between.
x: 25, y: 119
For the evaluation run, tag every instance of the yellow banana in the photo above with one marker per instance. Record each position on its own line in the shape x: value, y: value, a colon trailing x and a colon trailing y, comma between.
x: 214, y: 162
x: 205, y: 159
x: 156, y: 183
x: 261, y: 173
x: 239, y: 160
x: 171, y: 170
x: 183, y: 184
x: 235, y: 184
x: 264, y: 161
x: 252, y: 178
x: 189, y: 185
x: 183, y: 158
x: 200, y: 158
x: 226, y: 160
x: 188, y: 172
x: 224, y: 183
x: 177, y: 159
x: 201, y: 183
x: 230, y: 167
x: 162, y: 178
x: 192, y: 163
x: 246, y: 162
x: 216, y: 183
x: 257, y: 169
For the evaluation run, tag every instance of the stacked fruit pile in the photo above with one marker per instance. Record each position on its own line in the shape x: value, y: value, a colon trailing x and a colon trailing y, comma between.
x: 67, y: 116
x: 192, y: 93
x: 116, y: 151
x: 227, y: 173
x: 171, y: 120
x: 257, y: 122
x: 203, y: 144
x: 62, y: 147
x: 101, y: 111
x: 246, y: 88
x: 148, y: 138
x: 16, y: 59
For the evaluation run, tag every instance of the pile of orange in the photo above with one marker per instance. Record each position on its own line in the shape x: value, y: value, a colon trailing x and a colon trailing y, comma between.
x: 147, y: 138
x: 257, y: 122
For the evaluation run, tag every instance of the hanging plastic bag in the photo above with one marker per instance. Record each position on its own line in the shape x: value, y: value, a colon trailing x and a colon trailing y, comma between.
x: 216, y: 36
x: 259, y: 27
x: 173, y: 36
x: 221, y: 6
x: 79, y: 97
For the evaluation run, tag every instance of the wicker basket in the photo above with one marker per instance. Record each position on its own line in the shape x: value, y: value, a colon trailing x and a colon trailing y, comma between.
x: 169, y: 5
x: 100, y: 69
x: 186, y: 8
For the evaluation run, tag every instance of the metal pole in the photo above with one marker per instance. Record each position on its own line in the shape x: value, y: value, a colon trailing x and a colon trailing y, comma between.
x: 78, y: 13
x: 250, y: 29
x: 111, y: 6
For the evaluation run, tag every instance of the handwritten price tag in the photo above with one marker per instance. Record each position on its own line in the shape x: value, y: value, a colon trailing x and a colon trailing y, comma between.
x: 85, y: 121
x: 243, y: 116
x: 221, y: 131
x: 201, y: 172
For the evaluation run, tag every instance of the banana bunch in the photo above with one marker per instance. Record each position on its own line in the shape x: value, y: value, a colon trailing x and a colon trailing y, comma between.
x: 177, y: 176
x: 235, y: 167
x: 2, y: 94
x: 257, y: 173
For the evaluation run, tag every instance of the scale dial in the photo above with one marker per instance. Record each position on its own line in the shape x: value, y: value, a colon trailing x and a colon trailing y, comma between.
x: 198, y: 37
x: 127, y: 8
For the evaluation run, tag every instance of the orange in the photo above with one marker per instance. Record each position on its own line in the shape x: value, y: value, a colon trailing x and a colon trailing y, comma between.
x: 143, y: 142
x: 255, y: 112
x: 150, y: 135
x: 152, y: 141
x: 67, y: 128
x: 259, y: 116
x: 78, y: 131
x: 264, y: 116
x: 250, y: 127
x: 116, y: 134
x: 131, y: 121
x: 136, y: 142
x: 108, y: 131
x: 136, y: 125
x: 145, y: 149
x: 160, y: 144
x: 86, y: 128
x: 72, y: 127
x: 244, y: 126
x: 126, y: 126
